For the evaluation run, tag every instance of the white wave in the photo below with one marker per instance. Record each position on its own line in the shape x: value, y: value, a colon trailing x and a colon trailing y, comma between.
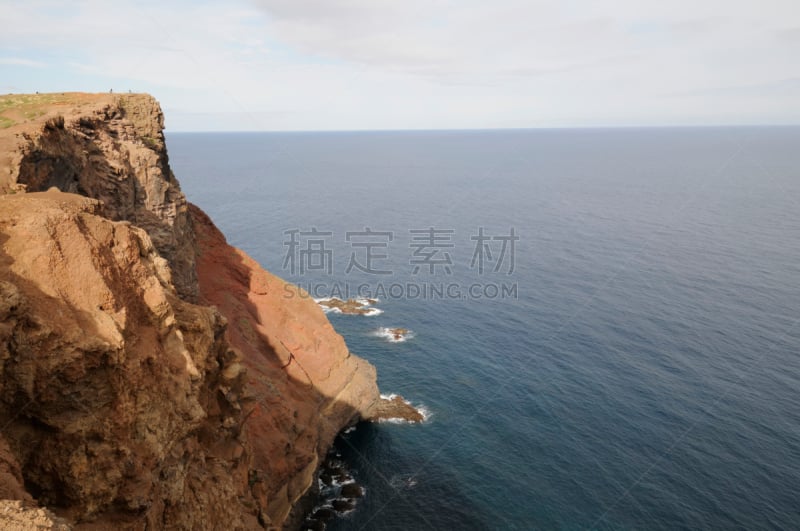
x: 326, y: 309
x: 422, y: 408
x: 335, y: 483
x: 425, y: 412
x: 390, y: 336
x: 364, y: 304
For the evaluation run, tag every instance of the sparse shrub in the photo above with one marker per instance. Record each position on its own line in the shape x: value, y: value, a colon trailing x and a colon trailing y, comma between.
x: 150, y: 142
x: 87, y: 123
x: 57, y: 122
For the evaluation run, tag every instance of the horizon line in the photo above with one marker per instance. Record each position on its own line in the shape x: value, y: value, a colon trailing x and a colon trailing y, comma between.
x: 490, y: 129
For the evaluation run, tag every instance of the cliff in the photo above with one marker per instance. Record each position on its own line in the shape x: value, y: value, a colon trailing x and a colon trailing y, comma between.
x: 151, y: 376
x: 116, y: 394
x: 111, y: 149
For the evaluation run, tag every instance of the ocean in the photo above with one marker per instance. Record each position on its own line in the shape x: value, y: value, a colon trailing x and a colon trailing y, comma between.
x: 603, y: 323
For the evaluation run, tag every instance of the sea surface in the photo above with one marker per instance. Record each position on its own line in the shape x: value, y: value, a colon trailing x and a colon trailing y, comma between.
x: 633, y: 362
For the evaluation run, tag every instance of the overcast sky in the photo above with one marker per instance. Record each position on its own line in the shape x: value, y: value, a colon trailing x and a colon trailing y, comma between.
x: 419, y: 64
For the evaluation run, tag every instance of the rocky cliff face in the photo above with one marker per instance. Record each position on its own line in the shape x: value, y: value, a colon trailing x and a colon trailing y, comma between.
x: 117, y: 396
x: 304, y: 385
x: 115, y: 153
x: 151, y: 376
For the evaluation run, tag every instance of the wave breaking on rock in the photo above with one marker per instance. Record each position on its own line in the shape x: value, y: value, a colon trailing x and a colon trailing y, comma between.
x: 394, y: 335
x: 360, y: 306
x: 396, y: 409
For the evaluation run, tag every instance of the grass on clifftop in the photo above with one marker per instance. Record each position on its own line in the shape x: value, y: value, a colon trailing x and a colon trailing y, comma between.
x: 16, y: 108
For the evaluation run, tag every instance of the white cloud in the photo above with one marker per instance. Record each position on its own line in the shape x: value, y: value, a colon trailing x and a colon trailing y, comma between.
x: 20, y: 61
x: 303, y: 64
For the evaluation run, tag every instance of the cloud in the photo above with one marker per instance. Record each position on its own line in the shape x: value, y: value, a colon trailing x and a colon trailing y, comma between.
x: 19, y: 61
x: 595, y: 58
x: 350, y: 64
x: 789, y: 36
x: 433, y: 37
x: 784, y: 88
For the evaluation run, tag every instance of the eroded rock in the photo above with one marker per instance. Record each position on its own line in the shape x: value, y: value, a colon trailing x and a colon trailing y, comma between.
x: 110, y: 384
x: 124, y: 403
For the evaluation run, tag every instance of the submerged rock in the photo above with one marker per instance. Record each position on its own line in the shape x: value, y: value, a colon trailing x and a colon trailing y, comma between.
x: 350, y: 306
x: 312, y: 524
x: 395, y: 407
x: 398, y: 333
x: 352, y: 490
x: 394, y: 335
x: 324, y: 514
x: 342, y: 505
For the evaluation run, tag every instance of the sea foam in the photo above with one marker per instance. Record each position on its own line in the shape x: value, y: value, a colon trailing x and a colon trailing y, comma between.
x: 422, y: 408
x: 387, y: 333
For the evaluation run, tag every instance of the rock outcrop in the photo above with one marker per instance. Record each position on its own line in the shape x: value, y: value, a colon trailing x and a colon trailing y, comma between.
x: 151, y: 376
x: 118, y: 399
x: 115, y: 152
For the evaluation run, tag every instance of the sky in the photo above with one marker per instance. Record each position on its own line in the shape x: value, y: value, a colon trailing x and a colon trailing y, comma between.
x: 284, y: 65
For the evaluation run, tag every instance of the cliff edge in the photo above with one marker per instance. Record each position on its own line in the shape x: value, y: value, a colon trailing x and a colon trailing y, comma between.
x: 151, y: 376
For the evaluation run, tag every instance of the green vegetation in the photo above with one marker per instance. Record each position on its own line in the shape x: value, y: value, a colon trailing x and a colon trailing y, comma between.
x: 23, y: 101
x: 16, y: 108
x: 149, y: 141
x: 33, y: 113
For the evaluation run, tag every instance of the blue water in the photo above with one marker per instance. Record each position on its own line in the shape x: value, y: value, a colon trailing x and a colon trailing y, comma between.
x: 645, y: 376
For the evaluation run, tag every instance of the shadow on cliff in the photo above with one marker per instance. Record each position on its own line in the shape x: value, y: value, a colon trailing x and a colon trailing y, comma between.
x: 43, y: 390
x: 303, y: 386
x: 103, y: 414
x: 90, y: 157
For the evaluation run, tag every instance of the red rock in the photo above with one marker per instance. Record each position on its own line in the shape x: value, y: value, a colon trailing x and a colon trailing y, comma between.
x: 110, y: 384
x: 304, y: 384
x: 150, y: 374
